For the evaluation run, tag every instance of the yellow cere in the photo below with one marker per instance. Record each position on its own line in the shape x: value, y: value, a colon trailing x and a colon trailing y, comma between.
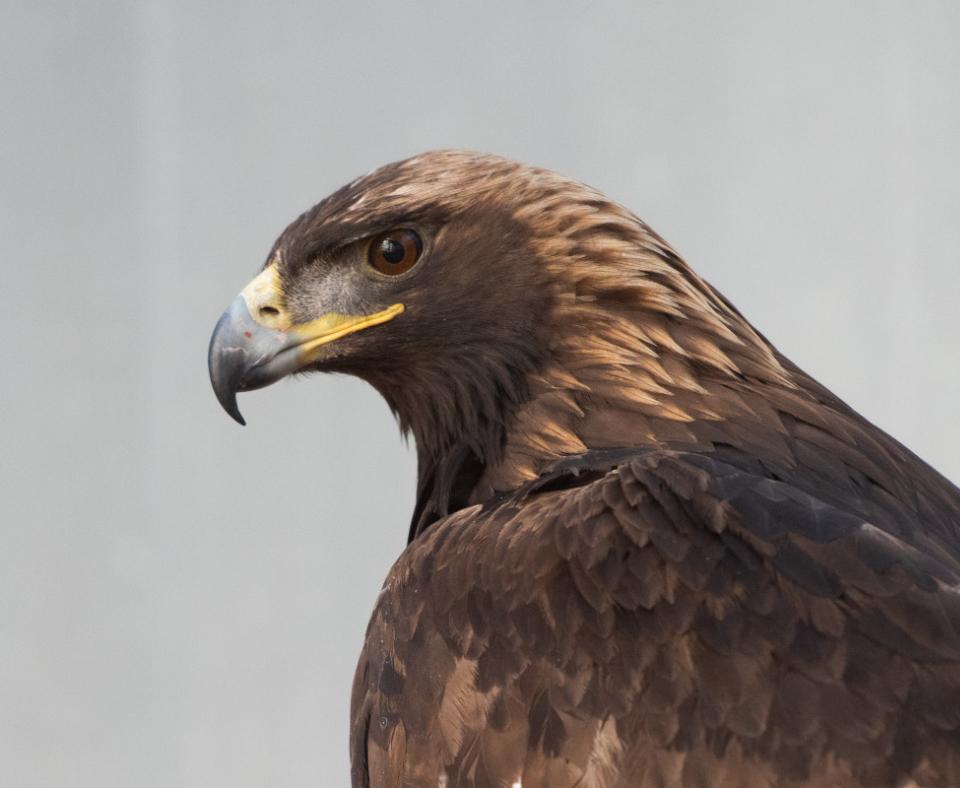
x: 265, y: 301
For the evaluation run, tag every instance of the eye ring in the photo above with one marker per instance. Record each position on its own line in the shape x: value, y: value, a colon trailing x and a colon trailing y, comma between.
x: 394, y: 252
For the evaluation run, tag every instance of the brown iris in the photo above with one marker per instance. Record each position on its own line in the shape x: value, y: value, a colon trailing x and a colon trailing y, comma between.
x: 395, y: 251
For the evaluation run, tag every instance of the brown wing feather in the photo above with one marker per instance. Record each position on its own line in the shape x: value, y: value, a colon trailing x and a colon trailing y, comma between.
x: 673, y: 620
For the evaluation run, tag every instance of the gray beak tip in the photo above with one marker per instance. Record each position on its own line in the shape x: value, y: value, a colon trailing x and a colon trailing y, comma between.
x: 229, y: 404
x: 246, y: 355
x: 227, y: 363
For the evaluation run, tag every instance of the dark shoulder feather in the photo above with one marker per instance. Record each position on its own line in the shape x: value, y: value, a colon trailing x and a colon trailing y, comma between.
x: 640, y: 618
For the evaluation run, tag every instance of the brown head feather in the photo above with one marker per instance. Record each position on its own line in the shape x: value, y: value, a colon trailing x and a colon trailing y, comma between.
x: 553, y: 320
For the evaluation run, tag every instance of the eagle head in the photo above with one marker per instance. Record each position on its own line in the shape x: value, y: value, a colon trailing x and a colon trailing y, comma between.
x: 496, y: 306
x: 419, y: 277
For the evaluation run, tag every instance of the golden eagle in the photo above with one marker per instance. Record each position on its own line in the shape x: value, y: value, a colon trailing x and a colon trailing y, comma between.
x: 647, y: 549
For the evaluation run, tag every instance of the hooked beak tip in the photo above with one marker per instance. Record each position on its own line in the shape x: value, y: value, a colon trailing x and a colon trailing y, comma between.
x: 227, y: 363
x: 229, y: 404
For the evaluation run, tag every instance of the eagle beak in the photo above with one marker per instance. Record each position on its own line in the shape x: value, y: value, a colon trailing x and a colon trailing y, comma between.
x: 255, y: 343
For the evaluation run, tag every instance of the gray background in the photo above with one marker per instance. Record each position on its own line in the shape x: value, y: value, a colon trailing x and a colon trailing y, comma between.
x: 182, y: 600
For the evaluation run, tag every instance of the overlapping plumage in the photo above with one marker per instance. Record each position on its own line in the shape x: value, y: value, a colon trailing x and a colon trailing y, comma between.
x: 647, y: 549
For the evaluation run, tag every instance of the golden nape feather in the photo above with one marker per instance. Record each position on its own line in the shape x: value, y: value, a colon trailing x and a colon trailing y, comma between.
x: 647, y: 549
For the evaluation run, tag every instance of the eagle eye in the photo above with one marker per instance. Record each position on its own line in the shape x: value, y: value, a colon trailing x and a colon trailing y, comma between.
x: 395, y: 251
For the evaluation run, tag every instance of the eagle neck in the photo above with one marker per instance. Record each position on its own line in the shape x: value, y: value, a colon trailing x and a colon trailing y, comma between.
x: 627, y: 378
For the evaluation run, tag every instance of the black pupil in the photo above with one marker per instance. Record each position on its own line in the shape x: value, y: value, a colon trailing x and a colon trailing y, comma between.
x: 392, y: 251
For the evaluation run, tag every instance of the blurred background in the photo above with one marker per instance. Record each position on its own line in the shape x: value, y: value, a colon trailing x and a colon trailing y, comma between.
x: 181, y: 600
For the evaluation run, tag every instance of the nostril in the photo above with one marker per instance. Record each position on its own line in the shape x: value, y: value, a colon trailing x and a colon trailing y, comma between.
x: 269, y: 311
